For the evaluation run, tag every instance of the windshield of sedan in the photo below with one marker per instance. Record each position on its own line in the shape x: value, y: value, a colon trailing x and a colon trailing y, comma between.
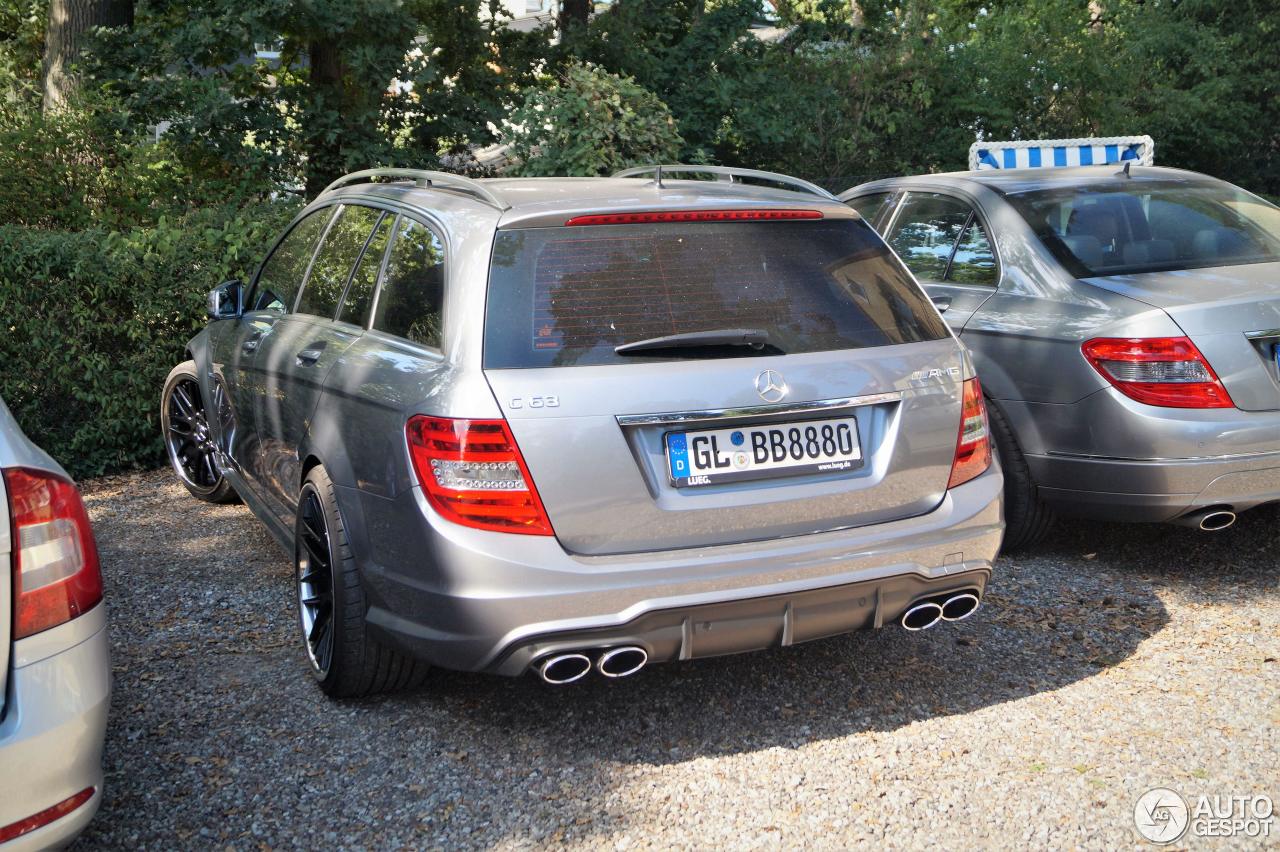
x: 1147, y: 226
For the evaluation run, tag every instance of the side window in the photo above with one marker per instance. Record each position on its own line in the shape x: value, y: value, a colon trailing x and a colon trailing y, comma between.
x: 926, y: 231
x: 872, y: 208
x: 336, y: 259
x: 974, y: 261
x: 412, y: 292
x: 355, y: 305
x: 281, y: 273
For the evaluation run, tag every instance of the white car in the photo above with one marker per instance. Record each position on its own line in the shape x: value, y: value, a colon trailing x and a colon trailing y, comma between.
x: 55, y: 675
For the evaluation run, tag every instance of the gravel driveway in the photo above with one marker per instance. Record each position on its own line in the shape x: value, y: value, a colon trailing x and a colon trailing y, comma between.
x: 1111, y: 660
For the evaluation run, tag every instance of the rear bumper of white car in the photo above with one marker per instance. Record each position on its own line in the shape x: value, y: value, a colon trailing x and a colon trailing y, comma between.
x: 472, y: 600
x: 53, y: 728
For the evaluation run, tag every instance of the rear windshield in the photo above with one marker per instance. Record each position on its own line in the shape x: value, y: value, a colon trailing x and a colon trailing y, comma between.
x: 568, y: 296
x: 1134, y: 227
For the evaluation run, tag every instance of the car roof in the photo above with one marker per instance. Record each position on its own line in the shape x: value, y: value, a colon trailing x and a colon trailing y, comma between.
x: 542, y: 202
x: 1014, y: 181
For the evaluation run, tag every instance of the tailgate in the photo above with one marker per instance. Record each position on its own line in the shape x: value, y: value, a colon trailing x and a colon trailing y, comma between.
x: 844, y: 411
x: 1231, y: 313
x: 6, y: 593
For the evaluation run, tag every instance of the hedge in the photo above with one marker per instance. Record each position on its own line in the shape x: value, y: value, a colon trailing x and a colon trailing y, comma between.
x: 95, y: 319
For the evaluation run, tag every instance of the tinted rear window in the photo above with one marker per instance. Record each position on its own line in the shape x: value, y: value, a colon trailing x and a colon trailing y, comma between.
x: 1147, y: 226
x: 568, y: 296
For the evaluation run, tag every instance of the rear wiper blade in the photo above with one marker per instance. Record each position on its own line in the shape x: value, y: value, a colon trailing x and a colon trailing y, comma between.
x: 756, y: 338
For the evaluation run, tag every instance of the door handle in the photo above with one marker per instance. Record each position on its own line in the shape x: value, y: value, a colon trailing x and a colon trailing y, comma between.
x: 310, y: 355
x: 250, y: 346
x: 942, y: 303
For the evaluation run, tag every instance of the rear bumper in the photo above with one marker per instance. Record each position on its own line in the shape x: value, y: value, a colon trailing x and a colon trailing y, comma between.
x: 55, y: 720
x: 1155, y: 490
x: 471, y: 600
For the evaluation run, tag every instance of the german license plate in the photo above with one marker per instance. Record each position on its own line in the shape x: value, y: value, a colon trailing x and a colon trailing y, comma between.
x: 711, y: 456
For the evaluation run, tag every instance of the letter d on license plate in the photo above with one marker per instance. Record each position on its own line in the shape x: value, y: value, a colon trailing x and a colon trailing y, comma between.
x: 711, y: 456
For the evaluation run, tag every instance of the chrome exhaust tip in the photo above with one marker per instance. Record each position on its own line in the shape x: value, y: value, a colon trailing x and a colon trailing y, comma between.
x: 1215, y: 521
x: 620, y: 662
x: 922, y: 616
x: 560, y: 669
x: 959, y: 607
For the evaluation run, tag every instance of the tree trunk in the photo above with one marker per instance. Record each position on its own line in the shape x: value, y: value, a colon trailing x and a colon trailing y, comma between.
x: 69, y: 23
x: 573, y: 13
x: 324, y: 126
x: 855, y: 14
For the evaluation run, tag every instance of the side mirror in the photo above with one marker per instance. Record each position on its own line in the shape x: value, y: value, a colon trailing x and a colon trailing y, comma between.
x: 225, y: 300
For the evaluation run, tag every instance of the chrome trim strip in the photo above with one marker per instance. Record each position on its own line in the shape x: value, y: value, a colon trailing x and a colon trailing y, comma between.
x: 757, y: 410
x: 1232, y: 457
x: 1255, y: 335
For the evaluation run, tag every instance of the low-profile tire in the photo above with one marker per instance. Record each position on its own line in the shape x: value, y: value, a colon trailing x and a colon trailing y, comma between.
x: 344, y: 659
x: 1027, y: 517
x: 184, y: 425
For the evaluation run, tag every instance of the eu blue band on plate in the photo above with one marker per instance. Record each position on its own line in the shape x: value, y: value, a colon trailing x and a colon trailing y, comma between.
x: 678, y: 451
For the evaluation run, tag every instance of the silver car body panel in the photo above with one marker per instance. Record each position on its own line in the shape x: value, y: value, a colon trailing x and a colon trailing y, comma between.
x: 1092, y: 450
x: 57, y: 688
x: 626, y: 541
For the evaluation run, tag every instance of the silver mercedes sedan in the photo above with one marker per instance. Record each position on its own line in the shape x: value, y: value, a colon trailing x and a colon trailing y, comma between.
x: 1126, y: 329
x: 55, y: 675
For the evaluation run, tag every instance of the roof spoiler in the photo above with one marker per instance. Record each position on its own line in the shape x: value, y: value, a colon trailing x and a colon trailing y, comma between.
x: 726, y: 173
x: 1060, y: 153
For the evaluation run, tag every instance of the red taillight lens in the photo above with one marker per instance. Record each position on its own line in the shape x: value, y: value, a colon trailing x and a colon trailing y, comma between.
x: 46, y: 816
x: 56, y: 575
x: 1164, y: 371
x: 973, y: 447
x: 473, y: 474
x: 692, y: 216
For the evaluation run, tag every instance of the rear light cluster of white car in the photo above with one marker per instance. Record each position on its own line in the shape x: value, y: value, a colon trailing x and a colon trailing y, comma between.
x: 473, y: 474
x: 973, y: 447
x: 1166, y: 371
x: 56, y: 575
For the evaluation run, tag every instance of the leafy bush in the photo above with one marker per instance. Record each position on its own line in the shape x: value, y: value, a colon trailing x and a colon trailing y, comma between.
x: 590, y: 122
x: 95, y: 319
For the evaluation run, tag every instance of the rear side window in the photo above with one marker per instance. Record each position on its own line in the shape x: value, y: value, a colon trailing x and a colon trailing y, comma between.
x: 282, y: 272
x: 336, y: 259
x: 412, y: 294
x: 973, y: 262
x: 925, y: 232
x: 355, y: 305
x: 872, y: 208
x: 569, y: 296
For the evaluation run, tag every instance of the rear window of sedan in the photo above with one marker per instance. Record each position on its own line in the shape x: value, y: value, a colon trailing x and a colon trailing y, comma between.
x: 568, y: 296
x: 1132, y: 227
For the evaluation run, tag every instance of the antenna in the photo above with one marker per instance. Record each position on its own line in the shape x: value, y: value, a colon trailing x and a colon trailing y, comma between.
x: 657, y: 177
x: 1125, y: 170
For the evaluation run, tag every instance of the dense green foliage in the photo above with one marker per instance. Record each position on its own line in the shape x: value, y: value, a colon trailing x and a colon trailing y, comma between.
x: 590, y: 122
x: 122, y: 210
x: 94, y: 319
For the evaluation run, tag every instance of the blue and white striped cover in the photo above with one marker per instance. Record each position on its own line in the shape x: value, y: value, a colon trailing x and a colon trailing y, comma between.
x: 1056, y: 153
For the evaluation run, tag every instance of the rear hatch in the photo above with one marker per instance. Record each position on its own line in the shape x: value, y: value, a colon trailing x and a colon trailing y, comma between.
x: 1231, y: 313
x: 828, y: 396
x: 6, y: 592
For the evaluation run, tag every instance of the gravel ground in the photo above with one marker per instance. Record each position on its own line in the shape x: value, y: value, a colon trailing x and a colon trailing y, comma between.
x: 1111, y: 660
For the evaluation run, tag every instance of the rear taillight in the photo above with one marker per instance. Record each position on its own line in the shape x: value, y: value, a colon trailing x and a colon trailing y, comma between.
x: 56, y: 575
x: 692, y: 216
x: 472, y: 473
x: 1165, y: 371
x: 973, y: 447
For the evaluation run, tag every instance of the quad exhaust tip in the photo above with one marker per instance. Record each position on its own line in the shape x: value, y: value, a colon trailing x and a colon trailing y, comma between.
x: 564, y: 668
x: 928, y: 613
x: 620, y: 662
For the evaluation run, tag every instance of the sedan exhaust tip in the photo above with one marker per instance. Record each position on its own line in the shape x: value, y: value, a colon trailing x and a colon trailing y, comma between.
x: 959, y: 607
x: 560, y: 669
x: 620, y: 662
x: 1215, y: 521
x: 922, y: 616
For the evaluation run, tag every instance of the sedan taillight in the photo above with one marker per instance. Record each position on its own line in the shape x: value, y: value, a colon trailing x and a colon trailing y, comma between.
x: 1166, y: 371
x: 473, y: 474
x: 56, y: 575
x: 973, y: 447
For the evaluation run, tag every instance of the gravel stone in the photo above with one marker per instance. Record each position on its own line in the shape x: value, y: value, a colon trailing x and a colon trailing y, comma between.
x: 1110, y: 660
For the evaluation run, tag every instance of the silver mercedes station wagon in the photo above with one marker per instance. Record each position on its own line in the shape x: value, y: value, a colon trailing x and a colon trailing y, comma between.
x: 576, y: 425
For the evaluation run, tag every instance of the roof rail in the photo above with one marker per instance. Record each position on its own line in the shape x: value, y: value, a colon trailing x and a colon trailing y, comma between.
x: 428, y: 179
x: 726, y: 173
